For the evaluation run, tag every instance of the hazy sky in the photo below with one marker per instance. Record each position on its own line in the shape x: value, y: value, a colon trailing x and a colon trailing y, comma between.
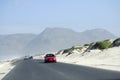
x: 33, y: 16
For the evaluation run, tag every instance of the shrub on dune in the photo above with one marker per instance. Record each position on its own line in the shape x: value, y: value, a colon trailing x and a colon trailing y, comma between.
x: 102, y: 44
x: 116, y: 43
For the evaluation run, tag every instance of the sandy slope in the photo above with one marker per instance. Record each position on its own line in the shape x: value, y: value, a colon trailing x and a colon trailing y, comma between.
x: 5, y: 67
x: 106, y: 59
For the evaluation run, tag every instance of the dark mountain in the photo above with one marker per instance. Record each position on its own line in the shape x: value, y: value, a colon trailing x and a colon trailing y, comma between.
x: 52, y: 39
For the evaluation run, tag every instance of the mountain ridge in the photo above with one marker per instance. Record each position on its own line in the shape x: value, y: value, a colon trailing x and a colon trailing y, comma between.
x: 51, y: 39
x: 58, y: 38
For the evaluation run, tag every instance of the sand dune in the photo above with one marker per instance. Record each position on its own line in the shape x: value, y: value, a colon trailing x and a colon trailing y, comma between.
x: 106, y: 59
x: 5, y: 67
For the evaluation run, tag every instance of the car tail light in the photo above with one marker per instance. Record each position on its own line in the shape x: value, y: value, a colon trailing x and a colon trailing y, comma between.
x: 54, y: 58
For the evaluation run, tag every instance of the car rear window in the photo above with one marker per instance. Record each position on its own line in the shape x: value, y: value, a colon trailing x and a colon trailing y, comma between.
x: 50, y: 55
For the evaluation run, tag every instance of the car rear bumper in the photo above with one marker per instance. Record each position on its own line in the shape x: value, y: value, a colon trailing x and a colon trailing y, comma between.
x: 49, y: 60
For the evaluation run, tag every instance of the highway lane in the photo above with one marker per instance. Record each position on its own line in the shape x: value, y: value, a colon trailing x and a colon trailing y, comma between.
x: 37, y: 70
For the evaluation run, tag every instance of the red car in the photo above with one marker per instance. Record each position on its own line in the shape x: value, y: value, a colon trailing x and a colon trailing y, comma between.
x: 49, y: 58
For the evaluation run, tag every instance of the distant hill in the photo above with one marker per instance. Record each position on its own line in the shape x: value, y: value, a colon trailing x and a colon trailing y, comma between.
x: 51, y: 39
x: 96, y: 35
x: 12, y: 45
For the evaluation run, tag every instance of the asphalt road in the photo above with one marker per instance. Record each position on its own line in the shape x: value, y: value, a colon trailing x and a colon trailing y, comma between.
x: 37, y: 70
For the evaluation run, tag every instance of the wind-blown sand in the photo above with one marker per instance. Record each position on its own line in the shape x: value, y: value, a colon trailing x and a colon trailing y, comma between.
x: 5, y: 67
